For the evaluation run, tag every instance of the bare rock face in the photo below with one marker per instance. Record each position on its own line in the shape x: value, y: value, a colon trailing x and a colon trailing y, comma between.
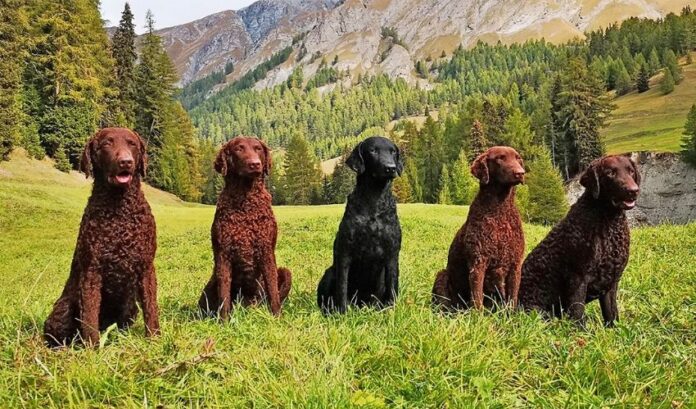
x: 206, y: 45
x: 668, y: 190
x: 351, y: 30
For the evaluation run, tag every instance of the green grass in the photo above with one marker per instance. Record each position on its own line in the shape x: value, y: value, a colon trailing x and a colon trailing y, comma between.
x: 407, y: 356
x: 651, y: 121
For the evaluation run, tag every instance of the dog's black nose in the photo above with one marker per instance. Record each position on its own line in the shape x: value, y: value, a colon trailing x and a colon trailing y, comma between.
x: 125, y: 163
x: 390, y: 169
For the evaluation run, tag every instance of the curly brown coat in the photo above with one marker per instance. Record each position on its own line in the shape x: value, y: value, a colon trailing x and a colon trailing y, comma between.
x: 244, y: 233
x: 486, y: 254
x: 112, y: 266
x: 584, y: 255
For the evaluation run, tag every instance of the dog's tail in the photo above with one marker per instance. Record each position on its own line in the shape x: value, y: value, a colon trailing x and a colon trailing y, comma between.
x: 441, y: 295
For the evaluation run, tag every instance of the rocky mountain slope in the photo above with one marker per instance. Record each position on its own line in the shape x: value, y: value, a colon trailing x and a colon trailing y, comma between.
x: 351, y: 30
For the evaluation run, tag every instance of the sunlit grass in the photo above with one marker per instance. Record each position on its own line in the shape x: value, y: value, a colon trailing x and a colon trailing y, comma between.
x: 407, y: 356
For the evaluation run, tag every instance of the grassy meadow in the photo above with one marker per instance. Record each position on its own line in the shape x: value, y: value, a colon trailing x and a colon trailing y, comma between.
x: 404, y: 357
x: 651, y: 121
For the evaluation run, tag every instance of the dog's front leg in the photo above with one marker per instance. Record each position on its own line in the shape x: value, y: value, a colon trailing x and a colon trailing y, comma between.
x: 223, y: 274
x: 477, y: 274
x: 148, y: 301
x: 575, y: 301
x: 610, y: 309
x: 392, y: 280
x: 90, y: 305
x: 342, y: 268
x: 267, y: 263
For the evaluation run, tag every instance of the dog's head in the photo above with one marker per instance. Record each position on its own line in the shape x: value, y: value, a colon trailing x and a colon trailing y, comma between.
x: 245, y: 157
x: 614, y: 179
x: 500, y: 165
x: 115, y: 154
x: 378, y: 157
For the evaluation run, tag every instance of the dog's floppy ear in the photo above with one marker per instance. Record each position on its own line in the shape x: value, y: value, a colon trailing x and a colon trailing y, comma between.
x: 355, y: 161
x: 267, y: 160
x: 399, y: 161
x: 221, y: 160
x: 636, y: 172
x: 86, y: 159
x: 142, y: 166
x: 480, y: 168
x: 590, y: 179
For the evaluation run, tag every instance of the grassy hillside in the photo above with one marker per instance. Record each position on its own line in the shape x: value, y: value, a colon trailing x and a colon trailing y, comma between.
x: 651, y: 121
x: 403, y: 357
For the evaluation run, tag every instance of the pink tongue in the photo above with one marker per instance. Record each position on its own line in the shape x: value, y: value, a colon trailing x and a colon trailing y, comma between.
x: 123, y: 178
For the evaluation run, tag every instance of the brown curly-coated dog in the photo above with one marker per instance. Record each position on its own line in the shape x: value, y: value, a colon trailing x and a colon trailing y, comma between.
x: 244, y: 233
x: 584, y: 255
x: 486, y: 254
x: 112, y: 266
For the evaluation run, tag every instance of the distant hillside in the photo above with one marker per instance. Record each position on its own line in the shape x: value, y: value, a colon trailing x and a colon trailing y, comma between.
x: 352, y: 31
x: 651, y: 121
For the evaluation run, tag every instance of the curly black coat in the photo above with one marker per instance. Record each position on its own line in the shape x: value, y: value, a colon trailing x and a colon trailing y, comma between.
x: 584, y: 255
x: 113, y: 264
x: 365, y: 270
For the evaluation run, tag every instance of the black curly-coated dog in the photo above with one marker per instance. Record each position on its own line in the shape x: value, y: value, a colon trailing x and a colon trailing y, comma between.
x: 365, y: 268
x: 584, y: 255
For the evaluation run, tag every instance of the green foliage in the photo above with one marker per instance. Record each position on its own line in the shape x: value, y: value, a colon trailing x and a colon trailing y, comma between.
x: 125, y: 56
x: 667, y: 84
x: 61, y: 160
x: 464, y: 185
x: 342, y: 182
x: 545, y: 201
x: 12, y: 24
x: 584, y: 108
x: 643, y: 80
x: 479, y: 143
x: 518, y: 132
x: 428, y: 157
x: 689, y: 141
x: 672, y: 64
x: 302, y: 173
x: 444, y: 195
x: 624, y: 84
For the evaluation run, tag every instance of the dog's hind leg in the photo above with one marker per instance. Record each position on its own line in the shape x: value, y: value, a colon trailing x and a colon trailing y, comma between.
x: 441, y: 293
x: 209, y: 301
x: 284, y: 283
x: 61, y: 326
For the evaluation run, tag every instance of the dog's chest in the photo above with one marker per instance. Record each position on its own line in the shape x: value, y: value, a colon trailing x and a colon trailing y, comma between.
x: 611, y: 256
x: 241, y: 232
x: 375, y: 237
x: 119, y: 244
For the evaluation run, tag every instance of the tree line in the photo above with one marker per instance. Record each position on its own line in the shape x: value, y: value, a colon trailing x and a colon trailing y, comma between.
x: 62, y: 79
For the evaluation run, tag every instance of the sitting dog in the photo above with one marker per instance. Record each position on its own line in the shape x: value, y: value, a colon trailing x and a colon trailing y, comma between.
x: 365, y: 266
x: 584, y: 255
x: 244, y: 233
x: 486, y: 254
x: 112, y: 266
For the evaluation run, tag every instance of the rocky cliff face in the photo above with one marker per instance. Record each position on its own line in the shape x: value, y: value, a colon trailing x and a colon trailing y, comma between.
x: 351, y: 30
x: 668, y: 190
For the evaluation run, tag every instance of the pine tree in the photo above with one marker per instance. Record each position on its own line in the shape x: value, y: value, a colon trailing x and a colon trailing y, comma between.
x: 415, y: 186
x: 123, y: 51
x: 11, y: 39
x: 546, y: 202
x: 689, y: 141
x: 402, y: 188
x: 479, y: 144
x: 428, y: 154
x: 463, y: 184
x: 342, y: 181
x: 302, y: 173
x: 671, y: 63
x: 71, y: 71
x: 624, y: 84
x: 518, y: 132
x: 653, y: 62
x: 444, y: 196
x: 643, y: 81
x: 667, y: 84
x: 584, y: 110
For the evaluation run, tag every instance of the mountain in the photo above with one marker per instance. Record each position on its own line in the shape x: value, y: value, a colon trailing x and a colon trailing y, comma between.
x: 352, y: 31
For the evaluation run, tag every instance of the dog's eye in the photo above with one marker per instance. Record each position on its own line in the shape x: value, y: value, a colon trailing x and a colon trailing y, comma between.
x: 131, y: 142
x: 258, y: 148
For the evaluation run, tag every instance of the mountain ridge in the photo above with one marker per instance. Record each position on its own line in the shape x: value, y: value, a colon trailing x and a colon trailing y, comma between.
x: 351, y: 30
